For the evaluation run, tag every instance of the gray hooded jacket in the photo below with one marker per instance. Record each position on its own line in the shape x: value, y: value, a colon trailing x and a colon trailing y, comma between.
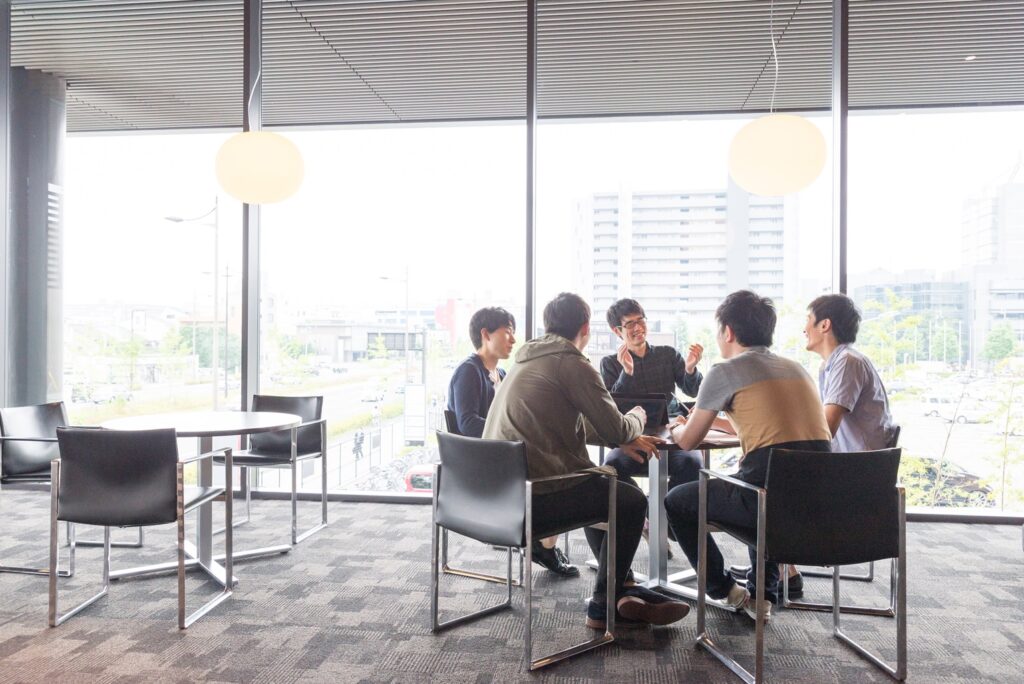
x: 555, y: 402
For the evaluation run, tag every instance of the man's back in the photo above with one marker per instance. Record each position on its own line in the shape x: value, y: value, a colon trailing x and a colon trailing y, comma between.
x: 768, y: 399
x: 543, y: 402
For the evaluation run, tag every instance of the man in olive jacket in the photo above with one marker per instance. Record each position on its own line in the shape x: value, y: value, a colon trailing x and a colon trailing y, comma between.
x: 554, y: 401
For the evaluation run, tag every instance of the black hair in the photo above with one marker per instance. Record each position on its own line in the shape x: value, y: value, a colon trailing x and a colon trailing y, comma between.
x: 621, y: 309
x: 751, y: 317
x: 566, y: 315
x: 489, y: 319
x: 843, y: 313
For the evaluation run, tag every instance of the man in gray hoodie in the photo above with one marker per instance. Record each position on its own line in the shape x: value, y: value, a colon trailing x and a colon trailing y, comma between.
x: 554, y: 401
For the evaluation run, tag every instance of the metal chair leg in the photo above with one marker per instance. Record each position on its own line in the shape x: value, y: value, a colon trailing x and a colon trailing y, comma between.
x: 497, y: 579
x: 45, y: 570
x: 869, y: 576
x: 609, y: 631
x: 889, y: 611
x: 54, y: 616
x: 115, y: 544
x: 185, y: 621
x: 246, y: 486
x: 899, y: 672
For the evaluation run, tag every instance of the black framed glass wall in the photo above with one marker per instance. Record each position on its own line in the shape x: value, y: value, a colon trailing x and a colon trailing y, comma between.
x: 936, y: 259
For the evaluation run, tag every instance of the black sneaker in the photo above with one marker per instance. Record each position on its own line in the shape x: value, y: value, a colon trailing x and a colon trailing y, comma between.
x: 643, y: 605
x: 554, y: 560
x: 739, y: 572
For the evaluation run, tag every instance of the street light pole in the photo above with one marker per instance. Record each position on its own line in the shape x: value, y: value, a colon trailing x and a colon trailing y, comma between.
x: 227, y: 274
x: 214, y: 355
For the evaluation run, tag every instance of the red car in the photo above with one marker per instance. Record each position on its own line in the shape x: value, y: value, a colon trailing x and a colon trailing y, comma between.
x: 420, y: 478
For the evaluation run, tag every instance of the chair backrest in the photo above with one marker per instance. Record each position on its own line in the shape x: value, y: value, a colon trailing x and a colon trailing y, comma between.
x: 30, y: 460
x: 451, y: 421
x: 117, y: 477
x: 894, y: 438
x: 831, y: 508
x: 280, y: 442
x: 481, y: 488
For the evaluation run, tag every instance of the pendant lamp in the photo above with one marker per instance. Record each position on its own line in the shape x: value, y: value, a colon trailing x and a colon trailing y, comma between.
x: 259, y: 167
x: 779, y: 153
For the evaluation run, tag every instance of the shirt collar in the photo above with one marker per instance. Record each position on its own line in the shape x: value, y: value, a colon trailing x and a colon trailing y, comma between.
x: 836, y: 353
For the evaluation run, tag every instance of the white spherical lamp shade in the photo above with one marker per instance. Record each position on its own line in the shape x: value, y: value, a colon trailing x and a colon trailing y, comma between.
x: 259, y: 167
x: 777, y: 154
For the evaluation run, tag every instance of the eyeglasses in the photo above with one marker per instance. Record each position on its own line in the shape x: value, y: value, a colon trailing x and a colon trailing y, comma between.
x: 632, y: 325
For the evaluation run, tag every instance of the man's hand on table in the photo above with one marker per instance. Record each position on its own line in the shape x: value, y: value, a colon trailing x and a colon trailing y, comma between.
x: 641, y: 448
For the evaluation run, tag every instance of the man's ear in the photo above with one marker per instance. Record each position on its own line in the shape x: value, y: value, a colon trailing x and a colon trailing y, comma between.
x: 826, y: 325
x: 727, y: 334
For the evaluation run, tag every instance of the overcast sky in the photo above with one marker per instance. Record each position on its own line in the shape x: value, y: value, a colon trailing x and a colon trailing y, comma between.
x: 448, y: 202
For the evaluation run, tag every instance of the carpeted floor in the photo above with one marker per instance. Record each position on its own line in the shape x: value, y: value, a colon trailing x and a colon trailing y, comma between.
x: 351, y: 604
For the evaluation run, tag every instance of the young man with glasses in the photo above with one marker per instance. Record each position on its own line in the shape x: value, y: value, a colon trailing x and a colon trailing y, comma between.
x: 640, y: 368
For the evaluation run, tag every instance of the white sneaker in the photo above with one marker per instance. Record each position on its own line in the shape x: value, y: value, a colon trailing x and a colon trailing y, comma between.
x: 738, y: 596
x: 751, y: 611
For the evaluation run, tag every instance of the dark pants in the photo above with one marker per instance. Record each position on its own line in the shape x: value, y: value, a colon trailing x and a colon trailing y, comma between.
x: 683, y: 466
x: 727, y: 504
x: 589, y: 500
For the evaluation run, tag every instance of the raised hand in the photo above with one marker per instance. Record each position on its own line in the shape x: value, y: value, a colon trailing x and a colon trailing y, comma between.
x: 626, y: 359
x: 693, y: 357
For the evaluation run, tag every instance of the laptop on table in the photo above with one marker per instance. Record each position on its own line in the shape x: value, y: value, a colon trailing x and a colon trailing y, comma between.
x: 656, y: 406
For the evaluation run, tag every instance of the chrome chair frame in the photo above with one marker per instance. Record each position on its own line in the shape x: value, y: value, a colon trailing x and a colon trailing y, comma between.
x: 184, y: 620
x: 869, y: 576
x: 899, y: 672
x: 71, y: 541
x: 292, y: 463
x: 527, y: 552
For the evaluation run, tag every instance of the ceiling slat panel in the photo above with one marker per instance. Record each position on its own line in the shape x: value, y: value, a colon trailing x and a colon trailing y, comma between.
x: 177, y: 63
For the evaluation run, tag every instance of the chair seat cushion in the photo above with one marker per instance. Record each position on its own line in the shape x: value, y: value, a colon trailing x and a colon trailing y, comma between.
x: 264, y: 459
x: 747, y: 535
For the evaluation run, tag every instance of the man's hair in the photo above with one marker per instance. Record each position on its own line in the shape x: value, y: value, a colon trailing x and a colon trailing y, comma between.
x: 491, y: 318
x: 751, y: 317
x: 621, y: 309
x: 843, y: 313
x: 566, y: 315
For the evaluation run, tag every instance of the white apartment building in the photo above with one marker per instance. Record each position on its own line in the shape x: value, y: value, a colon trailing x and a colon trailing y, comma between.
x: 679, y: 253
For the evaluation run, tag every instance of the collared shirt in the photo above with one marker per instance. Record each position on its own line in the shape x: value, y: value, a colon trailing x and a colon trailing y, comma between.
x: 660, y: 370
x: 848, y: 379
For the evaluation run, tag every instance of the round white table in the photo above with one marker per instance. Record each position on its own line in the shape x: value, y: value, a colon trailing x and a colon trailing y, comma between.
x: 205, y: 425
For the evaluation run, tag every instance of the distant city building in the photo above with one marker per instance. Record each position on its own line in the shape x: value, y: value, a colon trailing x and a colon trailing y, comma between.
x: 993, y: 253
x: 679, y: 253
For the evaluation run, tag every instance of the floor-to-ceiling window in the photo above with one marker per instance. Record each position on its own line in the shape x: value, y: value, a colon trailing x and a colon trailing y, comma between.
x: 369, y: 276
x: 936, y: 264
x: 152, y: 259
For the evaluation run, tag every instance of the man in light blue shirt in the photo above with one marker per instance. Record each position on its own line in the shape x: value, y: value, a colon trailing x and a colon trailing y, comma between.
x: 856, y: 407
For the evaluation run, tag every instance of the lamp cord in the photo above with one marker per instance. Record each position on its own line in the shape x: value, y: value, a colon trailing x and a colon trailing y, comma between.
x: 775, y: 55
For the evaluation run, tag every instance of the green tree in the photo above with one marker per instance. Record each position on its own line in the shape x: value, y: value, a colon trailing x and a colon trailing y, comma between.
x: 888, y: 331
x: 379, y: 349
x: 1001, y: 343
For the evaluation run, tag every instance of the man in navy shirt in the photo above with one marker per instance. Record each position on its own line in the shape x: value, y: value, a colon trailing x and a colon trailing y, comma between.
x: 471, y: 391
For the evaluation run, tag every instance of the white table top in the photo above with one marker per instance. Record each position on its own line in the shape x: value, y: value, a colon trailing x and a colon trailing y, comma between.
x: 208, y: 423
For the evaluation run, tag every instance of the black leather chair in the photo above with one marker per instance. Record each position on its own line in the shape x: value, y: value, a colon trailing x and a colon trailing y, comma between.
x: 286, y: 449
x: 816, y: 508
x: 124, y: 478
x: 481, y: 491
x: 28, y: 443
x: 452, y: 424
x: 869, y: 576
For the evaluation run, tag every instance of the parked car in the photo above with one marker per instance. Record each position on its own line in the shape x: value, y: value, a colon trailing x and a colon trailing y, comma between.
x: 420, y: 478
x: 373, y: 397
x: 959, y: 487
